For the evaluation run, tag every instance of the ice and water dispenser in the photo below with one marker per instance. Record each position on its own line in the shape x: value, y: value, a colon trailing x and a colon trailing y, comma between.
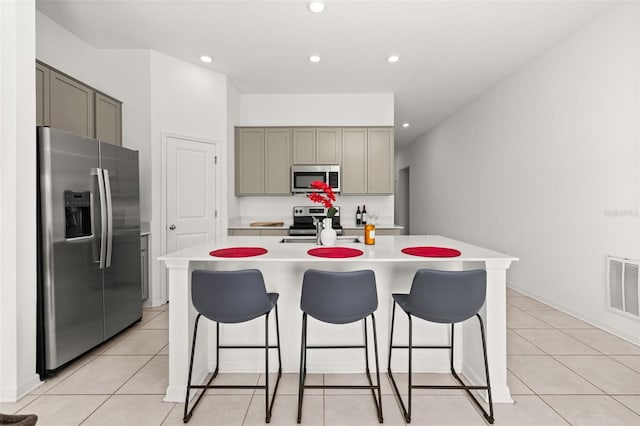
x: 77, y: 209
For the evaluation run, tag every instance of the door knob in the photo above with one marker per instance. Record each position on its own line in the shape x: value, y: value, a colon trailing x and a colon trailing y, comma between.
x: 172, y: 227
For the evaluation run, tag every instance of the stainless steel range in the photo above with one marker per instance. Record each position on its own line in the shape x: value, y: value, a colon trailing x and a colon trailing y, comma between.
x: 303, y: 220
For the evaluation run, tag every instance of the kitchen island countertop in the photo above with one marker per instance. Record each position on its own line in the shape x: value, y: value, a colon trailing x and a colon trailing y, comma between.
x: 387, y: 248
x: 283, y: 267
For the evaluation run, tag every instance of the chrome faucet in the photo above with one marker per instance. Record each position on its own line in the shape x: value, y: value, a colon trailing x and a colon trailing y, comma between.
x: 318, y: 223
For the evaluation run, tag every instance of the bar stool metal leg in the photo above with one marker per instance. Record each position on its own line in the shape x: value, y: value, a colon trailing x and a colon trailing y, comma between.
x: 375, y: 349
x: 405, y: 412
x: 340, y: 298
x: 269, y: 407
x: 303, y: 365
x: 188, y: 413
x: 303, y: 368
x: 378, y: 401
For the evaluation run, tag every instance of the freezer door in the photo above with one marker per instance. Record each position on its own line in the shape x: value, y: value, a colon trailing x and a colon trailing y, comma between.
x: 122, y: 278
x: 70, y: 281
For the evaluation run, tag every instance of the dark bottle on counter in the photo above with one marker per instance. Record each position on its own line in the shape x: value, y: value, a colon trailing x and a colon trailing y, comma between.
x: 358, y: 217
x: 364, y: 215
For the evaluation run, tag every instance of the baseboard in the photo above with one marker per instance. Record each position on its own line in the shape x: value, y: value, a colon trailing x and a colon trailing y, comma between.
x: 178, y: 393
x: 152, y: 303
x: 606, y: 327
x: 13, y: 394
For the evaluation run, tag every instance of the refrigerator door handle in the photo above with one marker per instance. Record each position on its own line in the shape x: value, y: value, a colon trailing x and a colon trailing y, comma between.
x: 103, y: 218
x: 107, y: 190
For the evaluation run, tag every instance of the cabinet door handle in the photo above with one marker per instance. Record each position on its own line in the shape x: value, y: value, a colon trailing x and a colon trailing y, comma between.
x: 172, y: 227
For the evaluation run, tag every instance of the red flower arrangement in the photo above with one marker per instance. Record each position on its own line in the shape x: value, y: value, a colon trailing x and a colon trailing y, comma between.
x: 326, y: 199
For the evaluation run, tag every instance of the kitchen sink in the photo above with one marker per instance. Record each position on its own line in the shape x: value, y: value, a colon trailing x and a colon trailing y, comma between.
x: 312, y: 240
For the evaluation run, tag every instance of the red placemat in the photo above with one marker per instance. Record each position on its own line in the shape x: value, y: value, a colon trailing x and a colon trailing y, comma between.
x: 425, y: 251
x: 335, y: 252
x: 238, y: 252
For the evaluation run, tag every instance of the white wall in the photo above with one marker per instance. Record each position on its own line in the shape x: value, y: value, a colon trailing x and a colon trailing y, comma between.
x: 233, y: 209
x: 315, y: 110
x: 63, y: 50
x: 123, y: 74
x: 186, y: 100
x: 536, y: 166
x: 159, y: 94
x: 311, y: 110
x: 130, y: 84
x: 18, y: 206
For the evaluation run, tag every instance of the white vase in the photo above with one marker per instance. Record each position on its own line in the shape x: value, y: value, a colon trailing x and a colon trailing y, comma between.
x: 328, y: 235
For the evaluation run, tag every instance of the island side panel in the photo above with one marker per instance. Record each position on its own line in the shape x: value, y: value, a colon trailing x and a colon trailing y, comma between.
x: 496, y: 328
x: 181, y: 321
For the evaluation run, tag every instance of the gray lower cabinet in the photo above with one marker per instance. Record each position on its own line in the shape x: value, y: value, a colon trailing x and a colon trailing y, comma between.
x: 258, y: 232
x: 263, y: 161
x: 144, y: 265
x: 359, y: 232
x: 65, y: 103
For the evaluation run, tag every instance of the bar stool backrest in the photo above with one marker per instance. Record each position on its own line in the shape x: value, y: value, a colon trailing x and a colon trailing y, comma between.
x: 339, y: 297
x: 447, y: 296
x: 229, y: 296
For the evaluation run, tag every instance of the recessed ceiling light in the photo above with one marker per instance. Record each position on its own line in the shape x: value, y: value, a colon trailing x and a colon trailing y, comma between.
x: 206, y: 59
x: 405, y: 124
x: 393, y: 59
x: 314, y: 58
x: 316, y: 6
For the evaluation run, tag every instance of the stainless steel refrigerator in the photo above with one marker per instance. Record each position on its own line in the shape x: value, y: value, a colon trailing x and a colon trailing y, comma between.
x: 89, y: 281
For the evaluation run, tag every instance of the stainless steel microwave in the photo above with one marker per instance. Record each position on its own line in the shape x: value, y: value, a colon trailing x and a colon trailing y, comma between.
x: 302, y: 176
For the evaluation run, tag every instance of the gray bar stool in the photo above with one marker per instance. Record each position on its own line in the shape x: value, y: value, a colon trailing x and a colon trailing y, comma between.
x: 339, y: 298
x: 445, y: 297
x: 231, y: 297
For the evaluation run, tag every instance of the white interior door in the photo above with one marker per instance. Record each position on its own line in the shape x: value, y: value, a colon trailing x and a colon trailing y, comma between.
x: 191, y: 192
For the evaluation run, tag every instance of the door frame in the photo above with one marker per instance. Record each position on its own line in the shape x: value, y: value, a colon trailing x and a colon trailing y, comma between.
x: 163, y: 199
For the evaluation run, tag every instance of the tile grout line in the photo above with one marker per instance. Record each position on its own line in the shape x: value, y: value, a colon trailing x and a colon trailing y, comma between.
x: 600, y: 353
x: 96, y: 409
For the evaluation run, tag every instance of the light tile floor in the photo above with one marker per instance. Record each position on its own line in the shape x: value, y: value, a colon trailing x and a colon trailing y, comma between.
x: 562, y: 371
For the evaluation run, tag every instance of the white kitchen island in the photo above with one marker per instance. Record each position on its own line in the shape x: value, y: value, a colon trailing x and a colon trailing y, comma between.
x: 283, y: 267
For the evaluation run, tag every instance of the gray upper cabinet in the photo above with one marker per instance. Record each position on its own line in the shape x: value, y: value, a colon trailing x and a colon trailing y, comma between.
x: 354, y: 161
x: 65, y: 103
x: 328, y: 146
x: 42, y: 95
x: 263, y: 161
x: 304, y: 146
x: 367, y: 161
x: 277, y: 161
x: 249, y: 161
x: 71, y: 105
x: 108, y: 119
x: 316, y: 145
x: 264, y: 157
x: 380, y: 161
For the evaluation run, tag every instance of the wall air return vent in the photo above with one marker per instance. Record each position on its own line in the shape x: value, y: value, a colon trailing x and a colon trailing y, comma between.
x: 623, y: 287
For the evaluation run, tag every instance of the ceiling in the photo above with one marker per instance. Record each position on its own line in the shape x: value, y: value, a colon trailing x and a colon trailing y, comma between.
x: 450, y: 51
